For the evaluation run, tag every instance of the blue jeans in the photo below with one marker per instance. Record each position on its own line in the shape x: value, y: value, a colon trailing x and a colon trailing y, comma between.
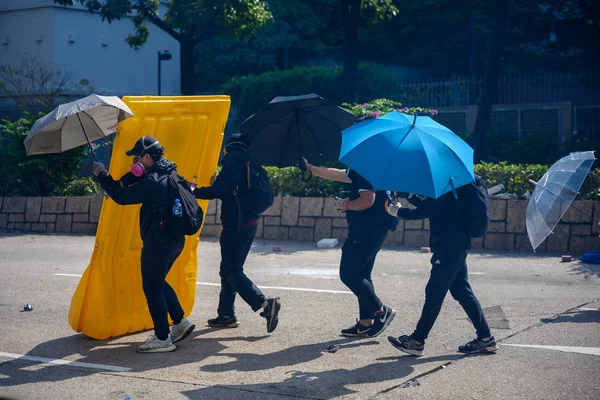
x: 157, y: 260
x: 449, y: 272
x: 235, y: 245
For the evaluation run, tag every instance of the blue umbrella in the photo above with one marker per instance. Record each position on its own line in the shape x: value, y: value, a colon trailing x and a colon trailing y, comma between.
x: 407, y: 153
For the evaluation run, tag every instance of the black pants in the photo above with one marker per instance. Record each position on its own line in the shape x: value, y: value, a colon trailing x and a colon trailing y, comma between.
x: 157, y: 260
x: 358, y: 258
x: 449, y: 272
x: 235, y: 245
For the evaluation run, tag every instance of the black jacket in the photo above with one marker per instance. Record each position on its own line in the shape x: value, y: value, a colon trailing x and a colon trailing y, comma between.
x: 446, y: 218
x: 151, y: 191
x: 230, y: 183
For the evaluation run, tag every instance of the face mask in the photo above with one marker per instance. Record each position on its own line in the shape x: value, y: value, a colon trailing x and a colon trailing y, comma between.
x: 137, y: 168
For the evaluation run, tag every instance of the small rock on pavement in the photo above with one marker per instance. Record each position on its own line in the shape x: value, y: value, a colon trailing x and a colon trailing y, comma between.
x: 276, y: 249
x: 332, y: 348
x: 327, y: 243
x: 27, y: 307
x: 425, y: 250
x: 566, y: 259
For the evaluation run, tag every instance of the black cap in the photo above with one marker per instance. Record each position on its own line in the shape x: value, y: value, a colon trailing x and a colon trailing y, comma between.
x: 238, y: 140
x: 145, y: 144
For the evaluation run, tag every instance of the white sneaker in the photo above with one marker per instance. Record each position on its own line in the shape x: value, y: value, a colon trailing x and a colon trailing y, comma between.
x: 155, y: 345
x: 181, y: 330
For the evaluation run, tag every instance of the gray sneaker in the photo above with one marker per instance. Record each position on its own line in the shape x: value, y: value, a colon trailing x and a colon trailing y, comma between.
x: 181, y: 330
x: 155, y: 345
x: 407, y: 344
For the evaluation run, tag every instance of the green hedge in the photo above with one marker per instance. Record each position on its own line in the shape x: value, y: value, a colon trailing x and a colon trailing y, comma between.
x: 515, y: 179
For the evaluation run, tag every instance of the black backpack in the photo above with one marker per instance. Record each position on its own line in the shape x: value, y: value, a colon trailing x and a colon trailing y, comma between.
x: 476, y: 207
x: 191, y: 219
x: 258, y: 195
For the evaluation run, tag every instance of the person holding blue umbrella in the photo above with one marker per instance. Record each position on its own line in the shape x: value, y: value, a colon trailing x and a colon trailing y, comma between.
x: 441, y: 170
x: 368, y: 225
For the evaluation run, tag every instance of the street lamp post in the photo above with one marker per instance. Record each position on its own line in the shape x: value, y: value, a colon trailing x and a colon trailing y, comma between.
x: 162, y: 56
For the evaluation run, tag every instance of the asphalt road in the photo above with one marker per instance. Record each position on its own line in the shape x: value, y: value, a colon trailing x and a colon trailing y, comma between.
x: 530, y: 301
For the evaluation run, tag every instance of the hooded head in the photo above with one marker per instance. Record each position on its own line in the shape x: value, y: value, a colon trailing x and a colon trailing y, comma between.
x: 237, y: 142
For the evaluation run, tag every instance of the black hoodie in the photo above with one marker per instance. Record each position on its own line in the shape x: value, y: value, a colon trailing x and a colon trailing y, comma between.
x: 232, y: 180
x: 151, y: 191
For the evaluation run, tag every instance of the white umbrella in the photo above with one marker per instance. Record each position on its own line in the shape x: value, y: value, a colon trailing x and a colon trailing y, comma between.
x: 554, y: 193
x: 76, y: 123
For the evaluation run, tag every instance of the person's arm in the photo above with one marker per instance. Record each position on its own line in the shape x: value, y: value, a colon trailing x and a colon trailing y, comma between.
x: 133, y: 194
x: 364, y: 201
x: 222, y: 186
x: 426, y: 208
x: 332, y: 174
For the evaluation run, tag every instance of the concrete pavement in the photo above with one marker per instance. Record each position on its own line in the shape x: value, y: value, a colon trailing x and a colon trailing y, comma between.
x: 530, y: 300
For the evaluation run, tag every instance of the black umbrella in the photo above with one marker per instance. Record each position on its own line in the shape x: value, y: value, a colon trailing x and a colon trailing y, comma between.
x: 290, y: 128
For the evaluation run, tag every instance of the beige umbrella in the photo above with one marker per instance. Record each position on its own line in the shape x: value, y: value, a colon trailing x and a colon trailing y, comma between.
x: 76, y: 123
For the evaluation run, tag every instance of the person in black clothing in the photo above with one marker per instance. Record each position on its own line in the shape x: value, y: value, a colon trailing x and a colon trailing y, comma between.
x: 160, y: 249
x: 239, y: 228
x: 450, y: 244
x: 368, y: 225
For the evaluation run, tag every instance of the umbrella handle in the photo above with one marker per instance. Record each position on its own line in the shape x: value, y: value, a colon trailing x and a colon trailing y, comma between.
x: 304, y: 178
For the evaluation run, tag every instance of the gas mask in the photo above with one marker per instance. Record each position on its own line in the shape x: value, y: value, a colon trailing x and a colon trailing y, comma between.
x: 137, y: 168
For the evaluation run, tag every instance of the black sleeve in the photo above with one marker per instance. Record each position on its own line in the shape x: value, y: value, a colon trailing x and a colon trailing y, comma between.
x: 133, y: 194
x: 359, y: 182
x: 129, y: 179
x: 426, y: 208
x: 225, y: 183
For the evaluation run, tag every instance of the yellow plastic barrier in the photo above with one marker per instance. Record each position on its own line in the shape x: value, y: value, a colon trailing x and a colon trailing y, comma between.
x: 109, y: 300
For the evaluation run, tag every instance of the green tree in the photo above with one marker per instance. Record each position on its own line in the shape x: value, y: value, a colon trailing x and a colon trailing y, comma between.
x: 188, y: 21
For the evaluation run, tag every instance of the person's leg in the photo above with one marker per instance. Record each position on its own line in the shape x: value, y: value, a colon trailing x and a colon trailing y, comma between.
x: 235, y: 247
x: 364, y: 314
x: 357, y: 252
x: 173, y: 305
x: 462, y: 292
x: 155, y: 262
x: 445, y: 267
x: 227, y: 295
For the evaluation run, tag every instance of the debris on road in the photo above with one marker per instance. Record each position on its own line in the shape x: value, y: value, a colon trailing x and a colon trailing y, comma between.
x: 276, y: 249
x: 332, y: 348
x: 327, y: 243
x: 566, y: 259
x: 27, y: 307
x: 425, y: 250
x: 411, y: 383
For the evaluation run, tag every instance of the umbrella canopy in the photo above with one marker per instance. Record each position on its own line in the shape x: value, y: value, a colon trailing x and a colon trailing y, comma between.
x: 407, y: 153
x: 289, y: 128
x: 76, y: 123
x: 554, y: 193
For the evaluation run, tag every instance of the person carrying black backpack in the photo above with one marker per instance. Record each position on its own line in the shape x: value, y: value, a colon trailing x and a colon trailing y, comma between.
x: 454, y: 219
x: 148, y: 184
x: 243, y: 187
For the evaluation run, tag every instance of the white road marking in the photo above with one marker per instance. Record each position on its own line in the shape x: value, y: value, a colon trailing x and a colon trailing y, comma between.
x: 260, y: 287
x: 593, y: 351
x: 65, y: 362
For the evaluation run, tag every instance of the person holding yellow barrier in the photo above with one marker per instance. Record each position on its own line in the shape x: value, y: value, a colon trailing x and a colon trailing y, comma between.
x: 146, y: 184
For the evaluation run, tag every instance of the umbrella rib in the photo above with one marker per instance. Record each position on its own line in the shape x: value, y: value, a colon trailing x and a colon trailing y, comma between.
x: 285, y: 140
x: 312, y: 134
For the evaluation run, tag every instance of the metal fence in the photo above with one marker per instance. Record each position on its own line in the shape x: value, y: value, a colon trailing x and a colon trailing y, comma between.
x: 581, y: 88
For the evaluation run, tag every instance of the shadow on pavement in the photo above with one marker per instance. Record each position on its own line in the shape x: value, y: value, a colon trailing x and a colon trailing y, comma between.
x: 575, y: 316
x: 319, y: 385
x: 587, y: 269
x: 113, y: 352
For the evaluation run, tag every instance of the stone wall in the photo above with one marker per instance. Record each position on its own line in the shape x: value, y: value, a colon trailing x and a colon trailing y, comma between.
x: 50, y: 214
x: 312, y: 219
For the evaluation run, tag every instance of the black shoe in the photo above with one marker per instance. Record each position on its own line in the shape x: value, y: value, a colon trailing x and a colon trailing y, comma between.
x: 407, y: 344
x: 358, y: 330
x: 271, y: 313
x: 223, y: 322
x: 381, y: 321
x: 479, y: 346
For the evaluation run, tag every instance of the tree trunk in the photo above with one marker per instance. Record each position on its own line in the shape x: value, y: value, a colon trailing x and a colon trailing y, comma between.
x: 489, y: 90
x: 350, y: 10
x: 187, y: 60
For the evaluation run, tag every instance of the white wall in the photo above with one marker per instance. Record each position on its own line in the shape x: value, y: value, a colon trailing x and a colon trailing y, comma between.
x: 112, y: 69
